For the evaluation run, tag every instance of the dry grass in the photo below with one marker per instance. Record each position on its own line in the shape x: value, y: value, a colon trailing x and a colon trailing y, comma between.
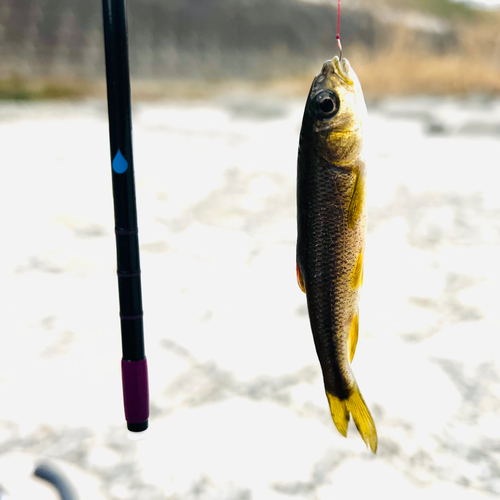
x: 442, y: 8
x: 406, y: 68
x: 22, y: 89
x: 430, y: 75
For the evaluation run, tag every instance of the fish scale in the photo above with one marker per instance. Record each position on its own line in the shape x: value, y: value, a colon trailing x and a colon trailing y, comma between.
x: 331, y: 223
x: 330, y: 299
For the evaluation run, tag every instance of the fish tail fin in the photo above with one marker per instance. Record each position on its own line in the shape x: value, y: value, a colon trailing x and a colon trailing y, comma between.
x: 356, y: 406
x: 340, y: 415
x: 363, y: 419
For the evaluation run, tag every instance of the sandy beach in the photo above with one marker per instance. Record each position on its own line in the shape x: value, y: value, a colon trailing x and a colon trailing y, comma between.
x: 238, y: 410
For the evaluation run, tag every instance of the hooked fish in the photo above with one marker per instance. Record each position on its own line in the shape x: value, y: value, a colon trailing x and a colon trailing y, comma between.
x: 331, y: 221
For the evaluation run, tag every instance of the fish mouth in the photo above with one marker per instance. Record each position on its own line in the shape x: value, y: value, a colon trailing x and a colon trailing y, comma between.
x: 338, y: 67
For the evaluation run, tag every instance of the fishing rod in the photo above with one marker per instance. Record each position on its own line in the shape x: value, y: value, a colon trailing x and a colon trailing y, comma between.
x: 134, y: 364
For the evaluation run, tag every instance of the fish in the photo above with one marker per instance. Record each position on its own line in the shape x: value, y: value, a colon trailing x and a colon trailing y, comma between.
x: 331, y: 226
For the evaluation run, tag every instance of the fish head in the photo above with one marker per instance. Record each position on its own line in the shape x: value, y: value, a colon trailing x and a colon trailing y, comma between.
x: 335, y: 112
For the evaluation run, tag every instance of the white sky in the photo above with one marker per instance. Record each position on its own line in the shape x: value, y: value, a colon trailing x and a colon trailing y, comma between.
x: 486, y: 3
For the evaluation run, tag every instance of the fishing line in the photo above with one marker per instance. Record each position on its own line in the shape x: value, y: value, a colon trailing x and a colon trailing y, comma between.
x: 338, y: 31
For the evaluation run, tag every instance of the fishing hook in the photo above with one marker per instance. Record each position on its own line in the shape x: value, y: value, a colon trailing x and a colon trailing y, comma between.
x: 340, y: 47
x: 338, y: 31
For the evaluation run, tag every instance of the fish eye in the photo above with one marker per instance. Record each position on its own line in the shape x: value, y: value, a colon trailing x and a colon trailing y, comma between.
x: 327, y: 104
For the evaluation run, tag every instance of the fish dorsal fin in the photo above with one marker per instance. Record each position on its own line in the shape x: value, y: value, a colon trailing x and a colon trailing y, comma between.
x: 352, y: 339
x: 300, y: 279
x: 357, y: 273
x: 358, y: 197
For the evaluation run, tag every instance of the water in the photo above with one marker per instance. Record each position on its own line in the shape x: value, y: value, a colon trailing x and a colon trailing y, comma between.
x: 238, y: 408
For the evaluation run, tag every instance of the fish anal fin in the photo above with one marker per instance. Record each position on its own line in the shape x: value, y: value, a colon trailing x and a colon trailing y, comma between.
x: 352, y: 339
x: 300, y: 279
x: 356, y: 406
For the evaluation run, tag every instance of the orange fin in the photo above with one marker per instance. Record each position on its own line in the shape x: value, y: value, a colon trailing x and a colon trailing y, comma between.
x: 352, y: 339
x: 300, y: 279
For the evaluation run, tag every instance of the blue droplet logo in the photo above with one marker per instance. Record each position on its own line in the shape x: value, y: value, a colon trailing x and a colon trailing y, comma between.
x: 120, y: 164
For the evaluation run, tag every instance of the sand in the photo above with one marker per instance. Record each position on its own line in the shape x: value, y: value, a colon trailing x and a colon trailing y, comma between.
x: 238, y: 410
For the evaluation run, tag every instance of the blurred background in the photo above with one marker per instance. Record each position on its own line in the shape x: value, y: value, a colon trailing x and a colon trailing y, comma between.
x: 238, y: 410
x: 51, y: 48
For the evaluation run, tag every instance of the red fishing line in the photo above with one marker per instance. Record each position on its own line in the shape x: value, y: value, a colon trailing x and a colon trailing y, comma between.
x: 338, y: 30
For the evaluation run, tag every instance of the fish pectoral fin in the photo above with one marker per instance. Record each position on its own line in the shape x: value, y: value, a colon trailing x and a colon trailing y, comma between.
x: 300, y: 279
x: 352, y: 339
x: 356, y: 406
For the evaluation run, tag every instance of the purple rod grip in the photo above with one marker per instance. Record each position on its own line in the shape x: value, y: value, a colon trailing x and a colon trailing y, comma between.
x: 135, y: 390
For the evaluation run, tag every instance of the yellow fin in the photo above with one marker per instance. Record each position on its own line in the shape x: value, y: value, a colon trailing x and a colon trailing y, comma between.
x: 300, y: 279
x: 357, y: 200
x: 363, y: 419
x: 352, y: 339
x: 357, y: 273
x: 356, y: 406
x: 339, y: 413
